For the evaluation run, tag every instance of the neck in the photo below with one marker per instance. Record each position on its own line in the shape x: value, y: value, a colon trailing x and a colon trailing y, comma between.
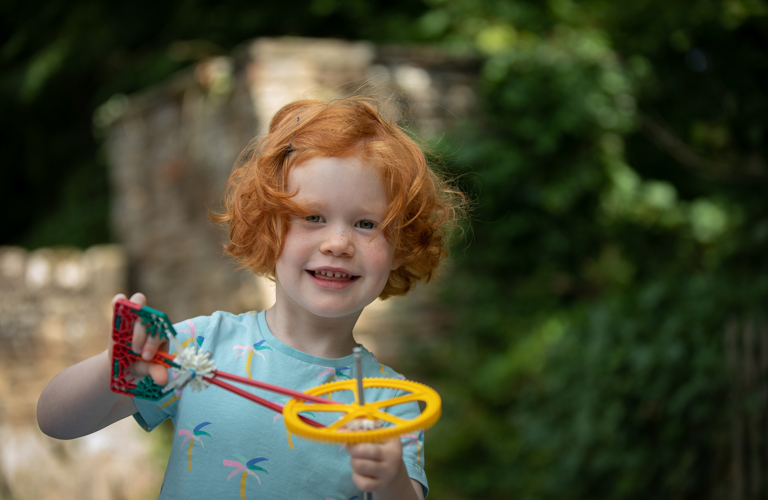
x: 317, y: 336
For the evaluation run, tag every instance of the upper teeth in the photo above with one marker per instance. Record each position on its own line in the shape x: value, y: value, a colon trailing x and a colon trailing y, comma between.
x: 332, y: 274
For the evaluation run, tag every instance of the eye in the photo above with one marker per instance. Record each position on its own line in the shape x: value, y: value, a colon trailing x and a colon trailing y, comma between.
x: 313, y: 218
x: 366, y: 224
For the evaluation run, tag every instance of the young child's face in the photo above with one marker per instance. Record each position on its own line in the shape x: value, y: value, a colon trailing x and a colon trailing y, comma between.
x: 335, y: 262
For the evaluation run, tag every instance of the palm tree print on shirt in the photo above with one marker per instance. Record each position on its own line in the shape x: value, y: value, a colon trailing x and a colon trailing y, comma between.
x: 289, y: 436
x: 418, y: 440
x: 381, y: 366
x: 176, y: 395
x: 192, y: 436
x: 335, y: 373
x: 192, y: 331
x: 249, y: 469
x: 250, y: 350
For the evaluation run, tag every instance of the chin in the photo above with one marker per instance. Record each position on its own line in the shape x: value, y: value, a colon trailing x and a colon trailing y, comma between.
x: 335, y: 313
x: 335, y: 310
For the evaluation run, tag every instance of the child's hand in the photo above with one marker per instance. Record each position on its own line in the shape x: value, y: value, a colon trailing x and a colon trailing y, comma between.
x: 379, y: 467
x: 147, y: 346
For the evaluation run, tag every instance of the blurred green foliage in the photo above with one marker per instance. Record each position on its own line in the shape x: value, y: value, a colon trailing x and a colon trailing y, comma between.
x: 619, y: 174
x: 618, y: 168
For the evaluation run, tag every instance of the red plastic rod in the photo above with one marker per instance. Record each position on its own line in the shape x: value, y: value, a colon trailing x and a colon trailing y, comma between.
x: 256, y: 399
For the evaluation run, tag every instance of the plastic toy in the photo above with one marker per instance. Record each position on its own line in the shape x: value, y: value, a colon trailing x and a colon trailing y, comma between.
x: 359, y: 422
x: 342, y: 432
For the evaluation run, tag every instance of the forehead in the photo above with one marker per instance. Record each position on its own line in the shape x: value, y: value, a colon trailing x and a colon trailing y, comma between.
x: 344, y: 180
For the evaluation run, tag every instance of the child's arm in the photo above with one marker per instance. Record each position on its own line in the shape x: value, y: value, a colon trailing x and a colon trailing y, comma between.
x: 79, y: 401
x: 379, y: 467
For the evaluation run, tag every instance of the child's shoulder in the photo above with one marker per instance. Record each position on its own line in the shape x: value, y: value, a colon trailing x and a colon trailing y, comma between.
x: 220, y: 324
x: 372, y: 367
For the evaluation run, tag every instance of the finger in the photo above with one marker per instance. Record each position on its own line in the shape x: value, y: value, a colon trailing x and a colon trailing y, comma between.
x: 368, y: 451
x: 117, y: 297
x: 139, y: 298
x: 159, y: 373
x: 152, y: 344
x: 366, y: 483
x: 148, y: 346
x: 141, y: 369
x: 110, y: 343
x: 139, y: 338
x: 383, y: 450
x: 365, y: 467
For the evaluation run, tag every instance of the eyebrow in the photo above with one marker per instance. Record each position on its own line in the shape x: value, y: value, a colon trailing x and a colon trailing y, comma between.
x: 314, y: 204
x: 370, y: 210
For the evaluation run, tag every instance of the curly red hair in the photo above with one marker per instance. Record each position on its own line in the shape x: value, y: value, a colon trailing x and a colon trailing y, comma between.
x: 422, y: 209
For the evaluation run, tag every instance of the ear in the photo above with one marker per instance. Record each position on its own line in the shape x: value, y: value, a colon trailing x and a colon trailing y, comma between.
x: 396, y: 263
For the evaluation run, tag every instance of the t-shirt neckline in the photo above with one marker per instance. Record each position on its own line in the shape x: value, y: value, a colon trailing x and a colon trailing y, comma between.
x: 279, y: 346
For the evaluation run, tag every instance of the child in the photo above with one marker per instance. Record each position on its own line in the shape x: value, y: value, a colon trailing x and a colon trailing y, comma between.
x: 338, y: 206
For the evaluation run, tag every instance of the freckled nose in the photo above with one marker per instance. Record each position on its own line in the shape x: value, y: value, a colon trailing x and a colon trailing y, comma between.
x: 337, y: 243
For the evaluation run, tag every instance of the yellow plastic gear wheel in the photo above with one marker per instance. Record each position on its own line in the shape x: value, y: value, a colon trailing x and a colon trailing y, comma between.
x: 374, y: 410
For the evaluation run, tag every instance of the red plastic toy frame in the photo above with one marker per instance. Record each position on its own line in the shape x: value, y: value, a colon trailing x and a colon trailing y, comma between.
x: 126, y: 315
x: 157, y: 323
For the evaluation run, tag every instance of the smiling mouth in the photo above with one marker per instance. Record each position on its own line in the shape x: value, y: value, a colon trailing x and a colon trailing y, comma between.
x: 333, y: 275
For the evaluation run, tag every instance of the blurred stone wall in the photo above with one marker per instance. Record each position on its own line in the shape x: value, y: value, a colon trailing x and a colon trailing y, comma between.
x: 54, y: 312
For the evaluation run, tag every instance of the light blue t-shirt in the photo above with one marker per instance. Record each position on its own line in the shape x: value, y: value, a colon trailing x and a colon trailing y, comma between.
x: 226, y: 446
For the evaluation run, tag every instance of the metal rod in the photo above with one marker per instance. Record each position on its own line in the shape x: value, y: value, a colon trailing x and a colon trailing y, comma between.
x: 367, y: 495
x: 359, y: 375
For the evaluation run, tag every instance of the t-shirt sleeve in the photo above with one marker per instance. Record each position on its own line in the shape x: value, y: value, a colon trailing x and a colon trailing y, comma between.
x: 414, y: 460
x: 413, y: 444
x: 152, y: 413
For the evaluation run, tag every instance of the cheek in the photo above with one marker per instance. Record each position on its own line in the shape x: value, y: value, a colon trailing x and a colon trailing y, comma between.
x: 380, y: 254
x: 294, y: 242
x: 292, y: 253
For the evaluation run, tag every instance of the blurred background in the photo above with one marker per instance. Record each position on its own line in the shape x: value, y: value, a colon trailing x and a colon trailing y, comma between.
x: 600, y: 329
